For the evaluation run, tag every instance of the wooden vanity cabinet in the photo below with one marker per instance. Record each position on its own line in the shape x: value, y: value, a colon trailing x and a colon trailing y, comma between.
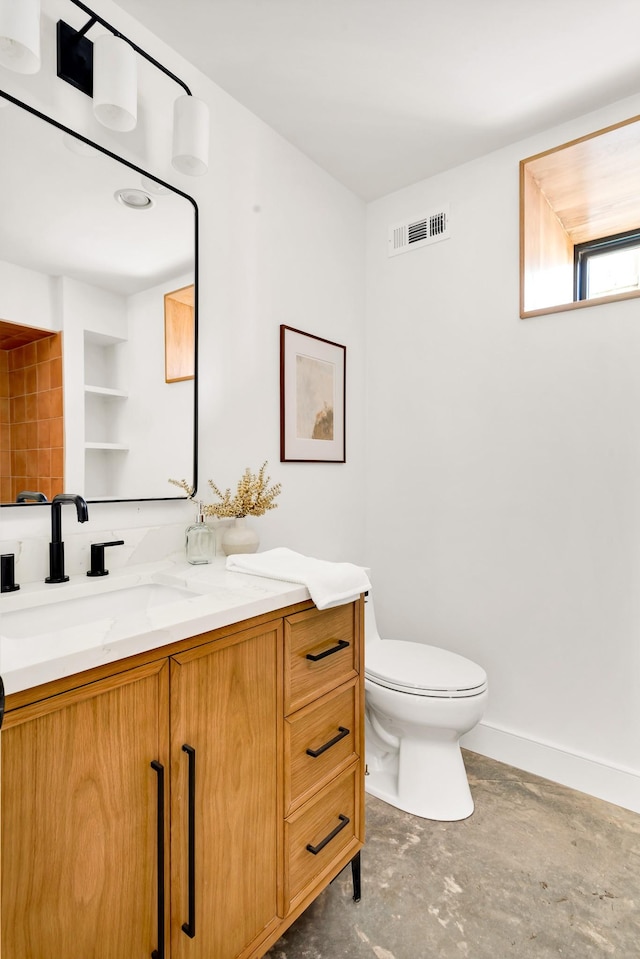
x: 193, y: 767
x: 79, y: 819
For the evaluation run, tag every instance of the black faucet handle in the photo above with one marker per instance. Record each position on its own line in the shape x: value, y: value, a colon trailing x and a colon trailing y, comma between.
x: 7, y: 573
x: 97, y: 557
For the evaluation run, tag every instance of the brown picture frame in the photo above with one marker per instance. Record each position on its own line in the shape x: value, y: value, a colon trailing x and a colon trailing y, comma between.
x: 312, y: 398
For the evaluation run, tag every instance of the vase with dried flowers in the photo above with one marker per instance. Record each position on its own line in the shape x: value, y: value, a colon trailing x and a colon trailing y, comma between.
x: 253, y: 497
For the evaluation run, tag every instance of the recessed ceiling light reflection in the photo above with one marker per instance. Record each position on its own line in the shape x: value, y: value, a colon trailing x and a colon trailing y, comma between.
x: 134, y: 199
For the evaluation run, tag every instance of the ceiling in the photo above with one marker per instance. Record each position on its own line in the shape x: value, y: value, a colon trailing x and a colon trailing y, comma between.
x: 383, y: 93
x: 65, y: 219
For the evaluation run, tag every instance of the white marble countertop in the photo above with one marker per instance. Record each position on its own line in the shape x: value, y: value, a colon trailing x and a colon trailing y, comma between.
x: 44, y: 651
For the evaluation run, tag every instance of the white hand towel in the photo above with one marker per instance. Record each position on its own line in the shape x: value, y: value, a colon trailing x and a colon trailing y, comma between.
x: 330, y: 584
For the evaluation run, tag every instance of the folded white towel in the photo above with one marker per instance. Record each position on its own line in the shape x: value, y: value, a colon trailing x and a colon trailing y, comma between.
x: 330, y: 584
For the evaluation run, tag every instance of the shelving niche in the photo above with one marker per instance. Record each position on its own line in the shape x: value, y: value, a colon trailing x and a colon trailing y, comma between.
x: 105, y: 398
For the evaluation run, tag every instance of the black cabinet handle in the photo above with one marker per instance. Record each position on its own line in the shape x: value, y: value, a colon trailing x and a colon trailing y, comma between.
x: 344, y: 821
x: 342, y: 732
x: 2, y: 701
x: 190, y: 927
x: 159, y: 952
x: 314, y: 657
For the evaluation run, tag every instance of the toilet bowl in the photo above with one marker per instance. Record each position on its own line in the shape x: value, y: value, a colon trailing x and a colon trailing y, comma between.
x: 419, y: 701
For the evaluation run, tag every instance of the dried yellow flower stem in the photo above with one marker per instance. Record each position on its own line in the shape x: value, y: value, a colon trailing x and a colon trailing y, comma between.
x: 253, y: 496
x: 182, y: 484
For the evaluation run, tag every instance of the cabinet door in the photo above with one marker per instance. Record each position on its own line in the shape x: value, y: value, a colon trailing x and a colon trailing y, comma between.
x: 79, y: 820
x: 226, y: 707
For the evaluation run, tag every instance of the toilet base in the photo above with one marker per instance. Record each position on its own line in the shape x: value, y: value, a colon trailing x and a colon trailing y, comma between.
x: 428, y: 780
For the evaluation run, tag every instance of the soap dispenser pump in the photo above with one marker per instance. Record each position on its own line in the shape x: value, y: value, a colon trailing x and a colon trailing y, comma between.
x: 200, y: 540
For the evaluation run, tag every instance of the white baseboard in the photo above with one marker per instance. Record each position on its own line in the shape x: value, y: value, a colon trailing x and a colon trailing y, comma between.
x: 611, y: 783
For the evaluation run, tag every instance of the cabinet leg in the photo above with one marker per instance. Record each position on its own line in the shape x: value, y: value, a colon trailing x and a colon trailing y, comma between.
x: 355, y: 875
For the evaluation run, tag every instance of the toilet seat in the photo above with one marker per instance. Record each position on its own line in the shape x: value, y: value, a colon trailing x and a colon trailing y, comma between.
x: 422, y: 670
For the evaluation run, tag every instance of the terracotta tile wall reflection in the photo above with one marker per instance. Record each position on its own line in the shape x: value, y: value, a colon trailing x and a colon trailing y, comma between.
x: 5, y: 430
x: 34, y: 423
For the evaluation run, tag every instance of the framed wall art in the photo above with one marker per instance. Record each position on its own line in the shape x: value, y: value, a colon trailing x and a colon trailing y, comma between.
x: 312, y: 398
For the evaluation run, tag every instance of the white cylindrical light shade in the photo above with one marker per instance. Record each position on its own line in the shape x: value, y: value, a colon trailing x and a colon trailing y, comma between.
x: 115, y: 83
x: 190, y: 136
x: 20, y: 35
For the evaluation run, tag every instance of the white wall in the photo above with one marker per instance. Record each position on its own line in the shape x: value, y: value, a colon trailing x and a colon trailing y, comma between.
x: 28, y: 297
x: 280, y: 242
x: 503, y: 495
x: 151, y: 402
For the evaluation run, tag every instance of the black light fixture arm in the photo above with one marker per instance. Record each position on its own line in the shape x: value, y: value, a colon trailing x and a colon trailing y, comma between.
x: 86, y: 27
x: 95, y: 18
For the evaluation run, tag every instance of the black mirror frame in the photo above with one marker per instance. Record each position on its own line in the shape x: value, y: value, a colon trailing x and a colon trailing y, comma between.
x: 169, y: 186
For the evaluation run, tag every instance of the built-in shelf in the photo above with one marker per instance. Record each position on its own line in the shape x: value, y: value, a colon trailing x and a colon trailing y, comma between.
x: 106, y: 392
x: 106, y: 446
x: 105, y: 423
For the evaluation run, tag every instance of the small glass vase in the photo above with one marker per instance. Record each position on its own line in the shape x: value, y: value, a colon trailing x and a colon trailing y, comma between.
x: 239, y: 538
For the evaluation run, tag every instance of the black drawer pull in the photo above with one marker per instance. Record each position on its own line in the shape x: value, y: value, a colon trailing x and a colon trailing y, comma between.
x: 159, y: 953
x: 189, y: 928
x: 314, y: 657
x: 342, y: 732
x: 344, y: 821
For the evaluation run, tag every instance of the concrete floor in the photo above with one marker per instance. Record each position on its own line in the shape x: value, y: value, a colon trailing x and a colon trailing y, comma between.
x: 538, y: 871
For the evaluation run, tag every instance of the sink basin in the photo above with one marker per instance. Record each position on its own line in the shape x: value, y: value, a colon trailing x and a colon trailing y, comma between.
x: 65, y: 613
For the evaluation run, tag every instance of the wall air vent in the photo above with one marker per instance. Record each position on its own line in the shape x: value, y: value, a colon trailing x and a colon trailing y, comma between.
x: 419, y: 231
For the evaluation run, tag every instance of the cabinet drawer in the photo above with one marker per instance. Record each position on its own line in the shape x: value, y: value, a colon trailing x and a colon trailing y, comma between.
x: 321, y: 652
x: 320, y: 740
x: 321, y: 833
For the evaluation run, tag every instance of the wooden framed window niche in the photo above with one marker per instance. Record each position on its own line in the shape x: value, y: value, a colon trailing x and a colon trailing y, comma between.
x: 179, y: 335
x: 583, y: 191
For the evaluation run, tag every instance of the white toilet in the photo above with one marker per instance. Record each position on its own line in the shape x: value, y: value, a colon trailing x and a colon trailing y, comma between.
x: 419, y: 701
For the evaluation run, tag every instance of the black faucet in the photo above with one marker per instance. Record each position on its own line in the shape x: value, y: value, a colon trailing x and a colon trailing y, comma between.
x: 26, y: 496
x: 56, y: 546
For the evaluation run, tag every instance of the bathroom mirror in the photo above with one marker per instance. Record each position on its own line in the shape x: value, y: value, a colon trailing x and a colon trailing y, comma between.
x: 89, y: 246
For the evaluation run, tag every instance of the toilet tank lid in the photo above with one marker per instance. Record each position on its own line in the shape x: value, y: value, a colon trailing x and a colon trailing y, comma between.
x: 417, y: 666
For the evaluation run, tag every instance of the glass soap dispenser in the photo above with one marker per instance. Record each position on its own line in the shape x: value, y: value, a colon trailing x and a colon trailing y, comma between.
x: 200, y: 540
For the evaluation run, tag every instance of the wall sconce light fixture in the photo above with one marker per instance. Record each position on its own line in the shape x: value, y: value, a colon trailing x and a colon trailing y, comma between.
x: 20, y: 35
x: 106, y: 71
